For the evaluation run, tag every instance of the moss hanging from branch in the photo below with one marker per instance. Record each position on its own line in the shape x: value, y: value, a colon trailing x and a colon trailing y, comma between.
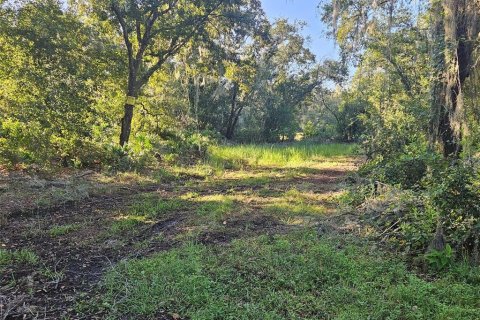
x: 457, y: 22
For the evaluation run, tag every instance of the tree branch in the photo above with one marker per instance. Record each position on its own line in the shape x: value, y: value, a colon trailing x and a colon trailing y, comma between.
x: 175, y: 44
x: 123, y: 24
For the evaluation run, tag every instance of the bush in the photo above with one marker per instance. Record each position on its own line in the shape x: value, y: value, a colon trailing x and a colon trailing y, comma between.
x: 21, y: 143
x: 452, y: 191
x: 119, y: 158
x: 440, y: 259
x: 439, y: 191
x: 406, y: 170
x: 188, y: 147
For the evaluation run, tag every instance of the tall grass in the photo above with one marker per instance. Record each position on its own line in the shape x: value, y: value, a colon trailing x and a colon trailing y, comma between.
x: 276, y: 155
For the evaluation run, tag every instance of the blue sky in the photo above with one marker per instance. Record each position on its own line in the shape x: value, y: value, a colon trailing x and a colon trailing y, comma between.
x: 304, y: 10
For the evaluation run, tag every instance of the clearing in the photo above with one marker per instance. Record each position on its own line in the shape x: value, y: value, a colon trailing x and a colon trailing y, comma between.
x: 254, y: 232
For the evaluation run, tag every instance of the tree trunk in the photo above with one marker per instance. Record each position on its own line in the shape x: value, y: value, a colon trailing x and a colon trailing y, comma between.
x: 128, y: 110
x: 231, y: 118
x: 126, y: 124
x: 461, y: 29
x: 448, y: 138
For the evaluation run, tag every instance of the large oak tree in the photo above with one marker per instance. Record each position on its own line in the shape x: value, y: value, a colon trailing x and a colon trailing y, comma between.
x: 154, y: 31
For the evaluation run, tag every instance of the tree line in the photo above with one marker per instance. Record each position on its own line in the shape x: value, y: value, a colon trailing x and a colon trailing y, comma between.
x: 81, y: 79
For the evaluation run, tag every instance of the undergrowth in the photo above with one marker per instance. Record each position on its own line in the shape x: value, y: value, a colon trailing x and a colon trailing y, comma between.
x: 294, y: 276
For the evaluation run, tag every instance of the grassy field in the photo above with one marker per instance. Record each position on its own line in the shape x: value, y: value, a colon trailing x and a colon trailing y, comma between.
x: 254, y: 232
x: 277, y: 155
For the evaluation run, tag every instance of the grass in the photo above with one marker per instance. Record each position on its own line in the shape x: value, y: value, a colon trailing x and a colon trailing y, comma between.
x: 235, y: 237
x: 151, y: 206
x: 276, y: 155
x: 215, y: 207
x: 294, y: 276
x: 126, y: 223
x: 60, y: 230
x: 14, y: 257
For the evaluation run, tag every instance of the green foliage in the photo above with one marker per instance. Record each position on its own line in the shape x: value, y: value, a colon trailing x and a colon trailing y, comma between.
x: 453, y: 192
x: 188, y: 147
x: 309, y: 130
x: 21, y: 143
x: 407, y: 169
x: 117, y: 158
x: 355, y: 196
x: 52, y: 72
x: 444, y: 191
x: 417, y: 228
x: 440, y: 260
x: 294, y: 276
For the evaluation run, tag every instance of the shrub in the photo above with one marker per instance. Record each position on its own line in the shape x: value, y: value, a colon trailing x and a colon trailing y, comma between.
x: 453, y: 193
x: 440, y: 259
x: 22, y: 143
x: 406, y: 170
x: 119, y: 158
x: 188, y: 147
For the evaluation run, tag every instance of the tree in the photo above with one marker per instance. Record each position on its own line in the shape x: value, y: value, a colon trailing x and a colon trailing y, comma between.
x: 155, y: 30
x: 455, y: 30
x: 52, y: 68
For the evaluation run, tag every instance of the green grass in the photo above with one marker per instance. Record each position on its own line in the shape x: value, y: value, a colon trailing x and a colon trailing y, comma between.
x: 151, y: 206
x: 276, y: 155
x: 60, y: 230
x: 295, y: 276
x: 291, y: 210
x: 13, y: 257
x: 126, y: 223
x: 215, y: 207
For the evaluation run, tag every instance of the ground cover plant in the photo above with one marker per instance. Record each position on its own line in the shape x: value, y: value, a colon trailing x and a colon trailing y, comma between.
x: 294, y: 276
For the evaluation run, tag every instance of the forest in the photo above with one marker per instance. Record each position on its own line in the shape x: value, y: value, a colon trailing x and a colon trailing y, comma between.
x: 195, y: 159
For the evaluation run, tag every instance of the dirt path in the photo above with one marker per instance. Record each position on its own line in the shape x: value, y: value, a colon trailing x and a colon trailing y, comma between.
x: 78, y: 241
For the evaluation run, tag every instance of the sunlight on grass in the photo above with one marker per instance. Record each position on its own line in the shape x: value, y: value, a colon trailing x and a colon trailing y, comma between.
x: 215, y: 206
x: 294, y: 213
x: 151, y: 205
x: 276, y: 155
x: 125, y: 223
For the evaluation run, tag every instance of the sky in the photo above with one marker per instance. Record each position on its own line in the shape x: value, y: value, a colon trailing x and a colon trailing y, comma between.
x: 307, y: 11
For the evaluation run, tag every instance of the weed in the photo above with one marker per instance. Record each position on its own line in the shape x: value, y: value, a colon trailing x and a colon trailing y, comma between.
x: 52, y: 274
x: 439, y: 260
